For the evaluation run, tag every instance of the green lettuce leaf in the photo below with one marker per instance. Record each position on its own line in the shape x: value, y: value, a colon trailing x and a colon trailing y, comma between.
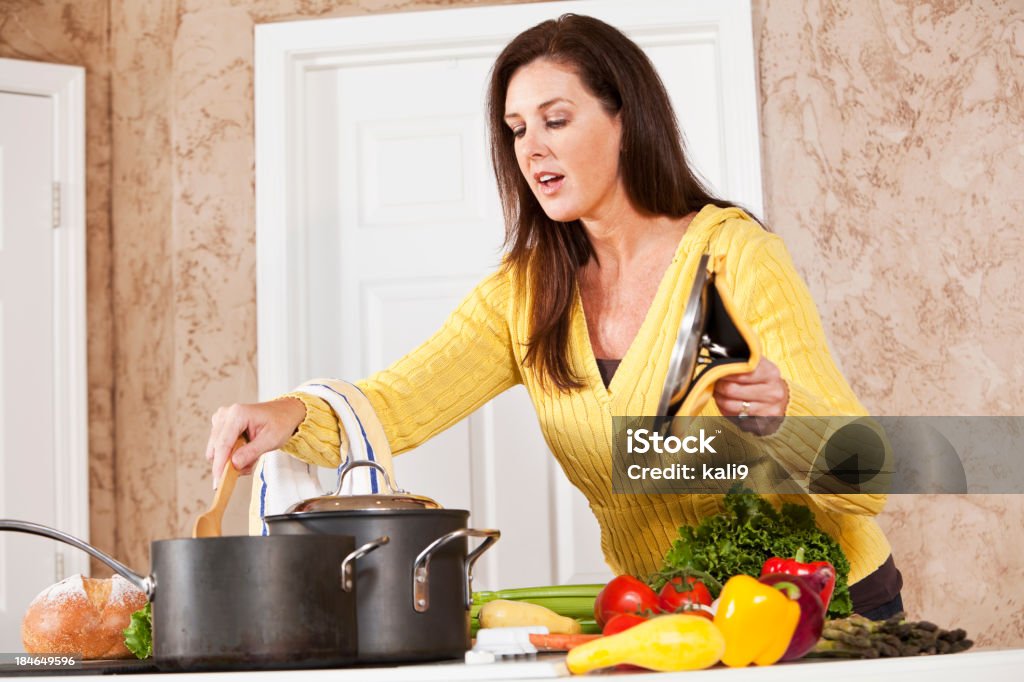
x: 138, y: 636
x: 741, y: 538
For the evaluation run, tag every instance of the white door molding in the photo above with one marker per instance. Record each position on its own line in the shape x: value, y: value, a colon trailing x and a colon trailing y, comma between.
x: 64, y: 86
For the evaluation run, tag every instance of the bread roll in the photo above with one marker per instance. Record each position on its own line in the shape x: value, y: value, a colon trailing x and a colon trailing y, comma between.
x: 82, y: 616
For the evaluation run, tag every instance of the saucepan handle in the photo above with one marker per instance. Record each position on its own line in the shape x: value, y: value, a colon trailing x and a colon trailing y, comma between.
x: 147, y: 584
x: 358, y: 553
x: 421, y: 567
x: 490, y: 535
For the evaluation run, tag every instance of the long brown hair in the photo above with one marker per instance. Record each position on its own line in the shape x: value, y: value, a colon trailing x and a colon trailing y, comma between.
x: 657, y: 178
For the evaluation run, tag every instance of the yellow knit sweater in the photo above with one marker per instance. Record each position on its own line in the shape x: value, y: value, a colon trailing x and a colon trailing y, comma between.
x: 478, y: 353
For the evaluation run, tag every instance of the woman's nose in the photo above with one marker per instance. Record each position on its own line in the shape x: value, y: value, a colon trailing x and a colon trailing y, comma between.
x: 532, y: 145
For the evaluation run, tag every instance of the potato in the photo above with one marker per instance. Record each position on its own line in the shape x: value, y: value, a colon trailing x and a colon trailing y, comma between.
x: 503, y: 613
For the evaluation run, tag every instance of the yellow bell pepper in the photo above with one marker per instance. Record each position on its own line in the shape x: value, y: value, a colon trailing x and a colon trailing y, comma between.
x: 666, y: 643
x: 757, y: 621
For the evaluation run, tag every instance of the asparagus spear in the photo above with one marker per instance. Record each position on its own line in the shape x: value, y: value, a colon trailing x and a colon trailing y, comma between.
x: 858, y: 637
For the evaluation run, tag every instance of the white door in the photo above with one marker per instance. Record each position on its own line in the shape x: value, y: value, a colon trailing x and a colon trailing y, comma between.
x: 27, y: 564
x: 373, y: 178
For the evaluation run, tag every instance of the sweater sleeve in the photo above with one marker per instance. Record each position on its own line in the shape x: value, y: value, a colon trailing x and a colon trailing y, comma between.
x: 462, y: 366
x: 466, y: 363
x: 782, y: 314
x: 320, y: 438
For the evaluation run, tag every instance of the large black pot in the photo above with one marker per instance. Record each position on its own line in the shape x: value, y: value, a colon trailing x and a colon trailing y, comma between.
x: 244, y: 603
x: 414, y: 595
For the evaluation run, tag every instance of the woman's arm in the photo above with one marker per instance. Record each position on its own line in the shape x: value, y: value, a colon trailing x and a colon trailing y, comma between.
x: 778, y: 306
x: 465, y: 364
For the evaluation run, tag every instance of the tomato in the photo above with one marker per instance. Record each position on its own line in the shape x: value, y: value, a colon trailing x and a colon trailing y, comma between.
x: 624, y: 594
x: 698, y: 610
x: 623, y: 621
x: 676, y: 595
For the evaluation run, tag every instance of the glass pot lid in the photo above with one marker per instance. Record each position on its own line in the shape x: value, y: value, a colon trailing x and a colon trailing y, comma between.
x: 394, y: 498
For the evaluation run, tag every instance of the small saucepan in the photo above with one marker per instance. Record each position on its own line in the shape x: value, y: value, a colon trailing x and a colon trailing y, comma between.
x: 414, y: 595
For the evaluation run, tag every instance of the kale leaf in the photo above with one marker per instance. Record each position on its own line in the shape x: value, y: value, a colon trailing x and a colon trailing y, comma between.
x: 744, y: 536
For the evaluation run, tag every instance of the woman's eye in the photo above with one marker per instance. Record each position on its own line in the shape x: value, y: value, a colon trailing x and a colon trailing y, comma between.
x: 518, y: 131
x: 557, y: 123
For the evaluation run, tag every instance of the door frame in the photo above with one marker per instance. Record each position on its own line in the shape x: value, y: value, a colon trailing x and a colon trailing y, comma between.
x: 64, y: 85
x: 285, y: 52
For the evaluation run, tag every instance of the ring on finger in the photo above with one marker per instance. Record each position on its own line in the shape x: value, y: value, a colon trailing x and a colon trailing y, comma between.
x: 744, y: 410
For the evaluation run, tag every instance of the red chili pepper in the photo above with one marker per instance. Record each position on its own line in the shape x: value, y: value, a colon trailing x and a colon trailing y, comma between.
x: 821, y: 574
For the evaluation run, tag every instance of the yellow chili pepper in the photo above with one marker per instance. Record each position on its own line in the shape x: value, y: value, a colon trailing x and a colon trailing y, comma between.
x: 757, y: 621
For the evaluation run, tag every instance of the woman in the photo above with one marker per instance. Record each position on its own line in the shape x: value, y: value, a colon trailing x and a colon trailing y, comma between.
x: 605, y: 227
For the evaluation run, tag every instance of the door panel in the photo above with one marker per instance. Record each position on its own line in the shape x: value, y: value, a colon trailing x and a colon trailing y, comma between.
x: 27, y: 564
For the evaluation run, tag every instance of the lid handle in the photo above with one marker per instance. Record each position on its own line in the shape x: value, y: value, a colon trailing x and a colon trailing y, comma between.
x: 352, y: 463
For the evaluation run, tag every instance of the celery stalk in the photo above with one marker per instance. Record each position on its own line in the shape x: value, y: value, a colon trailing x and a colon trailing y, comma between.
x: 572, y: 601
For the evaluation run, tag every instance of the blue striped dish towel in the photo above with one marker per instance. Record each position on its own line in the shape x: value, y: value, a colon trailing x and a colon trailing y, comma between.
x: 283, y: 480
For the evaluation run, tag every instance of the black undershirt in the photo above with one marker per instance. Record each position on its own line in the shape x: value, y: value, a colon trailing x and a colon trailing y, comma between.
x: 607, y: 369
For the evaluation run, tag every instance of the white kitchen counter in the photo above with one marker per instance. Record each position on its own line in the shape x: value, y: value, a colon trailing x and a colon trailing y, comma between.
x: 986, y: 666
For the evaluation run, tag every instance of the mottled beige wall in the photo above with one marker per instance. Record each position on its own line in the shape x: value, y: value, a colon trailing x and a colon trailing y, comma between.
x: 77, y: 33
x: 144, y: 217
x: 893, y: 146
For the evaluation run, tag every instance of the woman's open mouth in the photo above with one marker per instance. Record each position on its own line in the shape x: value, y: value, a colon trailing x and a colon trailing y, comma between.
x: 550, y: 182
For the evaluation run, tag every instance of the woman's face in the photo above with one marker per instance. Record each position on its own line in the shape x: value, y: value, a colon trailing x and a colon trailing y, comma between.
x: 566, y: 143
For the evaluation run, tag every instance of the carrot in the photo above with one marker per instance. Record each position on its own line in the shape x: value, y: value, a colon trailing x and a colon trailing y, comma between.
x: 560, y: 642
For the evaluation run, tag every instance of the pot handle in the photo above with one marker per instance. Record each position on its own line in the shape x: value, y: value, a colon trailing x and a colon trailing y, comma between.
x: 146, y: 584
x: 360, y: 552
x: 421, y: 567
x: 491, y: 536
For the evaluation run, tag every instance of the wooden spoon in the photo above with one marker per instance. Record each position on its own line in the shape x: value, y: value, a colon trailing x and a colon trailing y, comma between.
x: 208, y: 523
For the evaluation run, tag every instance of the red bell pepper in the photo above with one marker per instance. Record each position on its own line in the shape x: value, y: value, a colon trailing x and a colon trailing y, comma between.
x: 820, y: 574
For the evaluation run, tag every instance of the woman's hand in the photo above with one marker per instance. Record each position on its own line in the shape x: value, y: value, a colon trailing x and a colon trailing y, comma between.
x: 762, y: 394
x: 268, y: 426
